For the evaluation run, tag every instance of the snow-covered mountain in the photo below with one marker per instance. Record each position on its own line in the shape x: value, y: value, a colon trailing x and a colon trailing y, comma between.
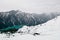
x: 48, y: 31
x: 12, y: 20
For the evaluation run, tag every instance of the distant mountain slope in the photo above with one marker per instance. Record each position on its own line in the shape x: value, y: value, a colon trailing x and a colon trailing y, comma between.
x: 13, y: 18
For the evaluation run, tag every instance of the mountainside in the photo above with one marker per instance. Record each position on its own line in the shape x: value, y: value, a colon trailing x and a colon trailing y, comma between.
x: 17, y: 18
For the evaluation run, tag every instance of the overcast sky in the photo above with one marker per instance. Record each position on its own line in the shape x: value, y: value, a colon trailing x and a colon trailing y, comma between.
x: 33, y: 6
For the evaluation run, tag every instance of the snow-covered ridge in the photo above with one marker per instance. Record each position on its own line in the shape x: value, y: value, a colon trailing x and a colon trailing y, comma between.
x: 11, y: 20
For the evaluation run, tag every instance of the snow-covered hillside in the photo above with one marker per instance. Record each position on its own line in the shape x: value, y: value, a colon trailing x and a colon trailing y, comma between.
x: 48, y: 31
x: 16, y: 18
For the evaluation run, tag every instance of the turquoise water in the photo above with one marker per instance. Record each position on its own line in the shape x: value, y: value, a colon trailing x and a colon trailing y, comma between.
x: 11, y: 29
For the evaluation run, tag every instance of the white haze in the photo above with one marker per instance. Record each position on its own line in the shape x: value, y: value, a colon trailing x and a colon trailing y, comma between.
x: 31, y: 6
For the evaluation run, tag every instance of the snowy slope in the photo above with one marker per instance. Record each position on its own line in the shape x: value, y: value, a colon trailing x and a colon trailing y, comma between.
x: 16, y: 17
x: 48, y: 31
